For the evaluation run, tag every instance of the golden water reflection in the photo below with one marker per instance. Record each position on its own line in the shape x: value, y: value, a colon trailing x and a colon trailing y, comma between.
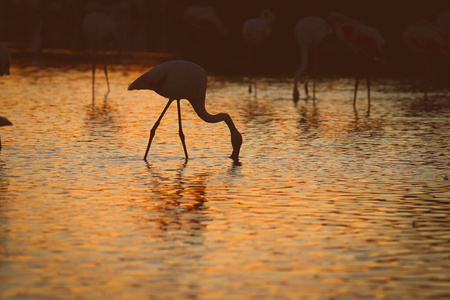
x: 327, y: 203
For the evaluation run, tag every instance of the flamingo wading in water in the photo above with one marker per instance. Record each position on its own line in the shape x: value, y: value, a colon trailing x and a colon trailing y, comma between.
x: 364, y: 41
x: 178, y: 80
x: 5, y: 60
x: 309, y: 32
x: 255, y: 32
x: 428, y: 40
x: 98, y: 29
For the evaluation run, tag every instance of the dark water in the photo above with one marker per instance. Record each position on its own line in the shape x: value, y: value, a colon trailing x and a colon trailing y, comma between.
x: 328, y: 203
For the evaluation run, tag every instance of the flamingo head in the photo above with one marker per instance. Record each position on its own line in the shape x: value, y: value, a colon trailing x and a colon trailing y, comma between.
x: 236, y: 141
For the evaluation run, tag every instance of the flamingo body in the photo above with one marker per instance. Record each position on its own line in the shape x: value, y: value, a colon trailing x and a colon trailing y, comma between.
x: 98, y: 28
x: 205, y: 18
x: 309, y: 32
x: 427, y: 40
x: 178, y: 80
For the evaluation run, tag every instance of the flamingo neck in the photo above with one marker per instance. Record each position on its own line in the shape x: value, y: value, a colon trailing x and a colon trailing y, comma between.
x: 236, y: 137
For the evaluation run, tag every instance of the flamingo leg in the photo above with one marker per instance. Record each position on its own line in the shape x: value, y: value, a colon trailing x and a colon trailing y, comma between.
x: 180, y: 129
x: 356, y: 91
x: 427, y: 76
x: 314, y: 75
x: 93, y: 77
x: 368, y: 94
x: 153, y: 130
x: 106, y: 75
x: 306, y: 89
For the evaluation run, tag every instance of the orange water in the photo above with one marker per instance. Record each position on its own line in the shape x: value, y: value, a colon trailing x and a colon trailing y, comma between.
x: 327, y: 203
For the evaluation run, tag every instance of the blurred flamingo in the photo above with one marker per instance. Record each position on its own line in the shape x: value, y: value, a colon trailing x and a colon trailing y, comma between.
x: 5, y: 60
x: 364, y: 41
x: 443, y: 23
x: 309, y: 32
x: 255, y: 32
x: 178, y: 80
x: 205, y: 18
x: 428, y: 40
x: 98, y: 28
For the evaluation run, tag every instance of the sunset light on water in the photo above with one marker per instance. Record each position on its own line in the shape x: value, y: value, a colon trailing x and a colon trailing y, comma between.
x: 224, y: 150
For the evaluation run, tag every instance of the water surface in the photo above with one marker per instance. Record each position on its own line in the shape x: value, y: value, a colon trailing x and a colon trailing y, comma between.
x: 328, y: 202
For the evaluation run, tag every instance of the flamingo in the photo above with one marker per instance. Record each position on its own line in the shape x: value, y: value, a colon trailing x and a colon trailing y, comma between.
x: 178, y: 80
x: 309, y: 32
x: 255, y: 32
x: 204, y: 18
x: 443, y: 23
x: 5, y: 60
x: 98, y: 28
x: 364, y: 41
x: 427, y: 40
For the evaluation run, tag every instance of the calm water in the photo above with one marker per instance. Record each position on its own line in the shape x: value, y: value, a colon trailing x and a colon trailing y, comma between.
x: 327, y: 204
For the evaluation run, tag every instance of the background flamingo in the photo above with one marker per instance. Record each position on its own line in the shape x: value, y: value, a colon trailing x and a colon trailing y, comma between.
x: 255, y: 32
x: 5, y: 60
x: 309, y: 32
x: 364, y: 41
x: 98, y: 29
x: 178, y: 80
x: 427, y: 40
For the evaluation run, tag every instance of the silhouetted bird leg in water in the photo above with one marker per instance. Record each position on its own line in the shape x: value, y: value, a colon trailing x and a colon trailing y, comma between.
x: 356, y: 92
x: 153, y: 130
x: 368, y: 94
x: 106, y: 75
x: 180, y: 130
x: 306, y: 89
x: 93, y: 77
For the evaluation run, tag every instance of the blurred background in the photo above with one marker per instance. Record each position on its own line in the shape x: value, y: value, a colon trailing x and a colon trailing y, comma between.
x: 48, y: 32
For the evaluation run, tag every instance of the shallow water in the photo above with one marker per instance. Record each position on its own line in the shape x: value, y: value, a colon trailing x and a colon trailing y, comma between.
x: 327, y: 203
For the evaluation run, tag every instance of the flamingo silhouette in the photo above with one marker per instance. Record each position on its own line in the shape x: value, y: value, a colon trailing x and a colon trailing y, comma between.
x: 427, y: 40
x: 309, y: 32
x: 98, y: 29
x: 364, y: 41
x: 178, y: 80
x: 255, y: 32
